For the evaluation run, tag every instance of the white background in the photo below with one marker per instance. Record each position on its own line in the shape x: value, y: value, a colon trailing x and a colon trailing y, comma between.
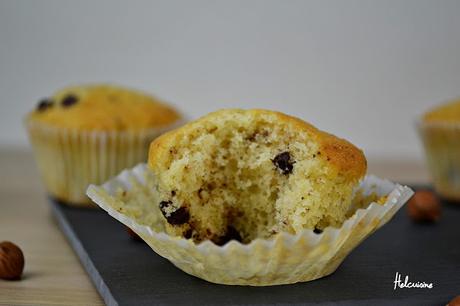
x: 363, y: 70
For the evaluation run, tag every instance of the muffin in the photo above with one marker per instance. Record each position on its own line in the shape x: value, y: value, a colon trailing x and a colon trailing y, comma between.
x: 87, y: 134
x: 440, y: 133
x: 243, y: 174
x: 251, y: 198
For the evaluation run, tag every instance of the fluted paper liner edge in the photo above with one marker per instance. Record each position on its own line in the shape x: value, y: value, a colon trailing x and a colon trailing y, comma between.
x: 69, y: 160
x: 283, y: 259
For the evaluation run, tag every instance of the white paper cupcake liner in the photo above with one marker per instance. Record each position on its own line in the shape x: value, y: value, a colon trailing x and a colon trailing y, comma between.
x: 69, y: 160
x: 283, y: 259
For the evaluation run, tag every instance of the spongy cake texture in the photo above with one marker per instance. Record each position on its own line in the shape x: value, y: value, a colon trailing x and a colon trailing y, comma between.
x: 244, y: 174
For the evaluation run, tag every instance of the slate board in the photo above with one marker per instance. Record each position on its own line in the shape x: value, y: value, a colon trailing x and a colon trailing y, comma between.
x: 128, y: 272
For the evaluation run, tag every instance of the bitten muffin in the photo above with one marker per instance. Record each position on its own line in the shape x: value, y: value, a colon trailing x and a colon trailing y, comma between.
x: 246, y: 174
x: 86, y: 134
x: 440, y: 132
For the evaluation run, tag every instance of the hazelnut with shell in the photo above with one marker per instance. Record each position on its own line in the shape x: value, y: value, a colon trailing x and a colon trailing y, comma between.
x: 424, y: 206
x: 11, y: 261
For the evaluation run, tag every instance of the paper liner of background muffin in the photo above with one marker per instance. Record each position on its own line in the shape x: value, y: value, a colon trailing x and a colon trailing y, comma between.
x: 69, y: 160
x: 441, y: 141
x: 284, y: 259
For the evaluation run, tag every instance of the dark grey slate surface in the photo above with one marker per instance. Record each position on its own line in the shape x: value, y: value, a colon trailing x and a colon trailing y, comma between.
x: 126, y: 272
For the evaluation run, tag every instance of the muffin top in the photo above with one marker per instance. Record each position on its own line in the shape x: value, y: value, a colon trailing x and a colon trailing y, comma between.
x: 340, y: 154
x: 104, y: 108
x: 449, y: 112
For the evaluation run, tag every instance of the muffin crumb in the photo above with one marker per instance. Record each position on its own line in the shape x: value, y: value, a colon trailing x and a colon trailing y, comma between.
x: 246, y: 175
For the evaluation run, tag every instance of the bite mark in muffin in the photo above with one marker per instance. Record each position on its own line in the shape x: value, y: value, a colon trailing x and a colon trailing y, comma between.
x: 227, y: 166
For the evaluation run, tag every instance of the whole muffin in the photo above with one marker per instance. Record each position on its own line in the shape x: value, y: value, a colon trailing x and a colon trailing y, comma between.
x: 86, y: 134
x: 440, y: 132
x: 246, y: 174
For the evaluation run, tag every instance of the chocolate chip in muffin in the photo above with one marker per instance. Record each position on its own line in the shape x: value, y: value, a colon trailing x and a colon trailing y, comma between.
x: 44, y: 104
x: 164, y: 206
x: 176, y: 217
x: 188, y: 233
x: 69, y: 100
x: 230, y: 234
x: 283, y: 162
x: 317, y: 231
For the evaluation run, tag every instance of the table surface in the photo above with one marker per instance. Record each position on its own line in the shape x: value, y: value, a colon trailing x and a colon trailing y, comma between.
x: 366, y: 277
x: 53, y: 275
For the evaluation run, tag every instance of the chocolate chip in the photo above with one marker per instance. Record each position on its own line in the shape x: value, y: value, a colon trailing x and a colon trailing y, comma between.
x: 44, y: 104
x: 69, y: 100
x: 230, y: 234
x: 188, y: 234
x: 164, y: 204
x: 283, y: 162
x: 173, y: 193
x: 317, y: 231
x: 177, y: 217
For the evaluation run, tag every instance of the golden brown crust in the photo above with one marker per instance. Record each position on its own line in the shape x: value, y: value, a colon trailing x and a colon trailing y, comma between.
x: 104, y: 108
x: 448, y: 112
x: 347, y: 158
x: 338, y: 153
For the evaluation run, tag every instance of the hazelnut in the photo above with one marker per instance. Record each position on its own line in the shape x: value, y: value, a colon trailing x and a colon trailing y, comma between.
x: 133, y: 234
x: 455, y: 301
x: 424, y: 206
x: 11, y: 261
